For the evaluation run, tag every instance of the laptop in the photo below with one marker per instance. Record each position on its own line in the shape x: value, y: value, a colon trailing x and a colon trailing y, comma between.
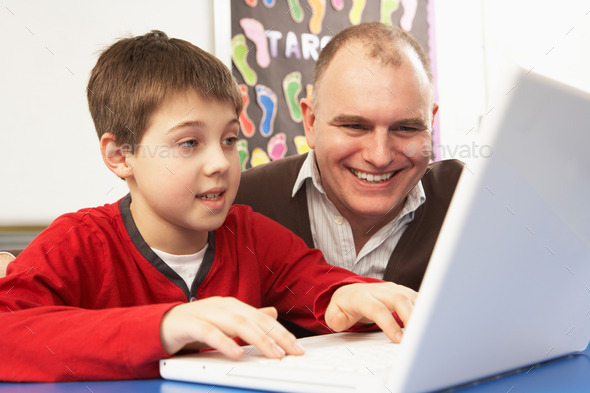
x: 508, y: 284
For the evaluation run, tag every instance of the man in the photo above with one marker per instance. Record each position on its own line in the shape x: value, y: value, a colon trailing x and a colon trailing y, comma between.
x: 365, y: 194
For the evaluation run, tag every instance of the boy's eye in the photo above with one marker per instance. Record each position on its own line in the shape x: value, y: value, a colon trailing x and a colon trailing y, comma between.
x: 230, y: 141
x: 189, y: 144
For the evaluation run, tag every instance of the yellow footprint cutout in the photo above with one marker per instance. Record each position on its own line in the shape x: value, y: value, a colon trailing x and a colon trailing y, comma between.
x: 259, y: 157
x: 301, y: 144
x: 318, y: 11
x: 356, y: 11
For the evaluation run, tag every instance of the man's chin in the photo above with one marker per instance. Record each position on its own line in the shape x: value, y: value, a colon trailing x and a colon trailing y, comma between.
x: 378, y: 211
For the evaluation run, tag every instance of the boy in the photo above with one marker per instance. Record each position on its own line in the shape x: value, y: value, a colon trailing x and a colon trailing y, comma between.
x: 104, y: 293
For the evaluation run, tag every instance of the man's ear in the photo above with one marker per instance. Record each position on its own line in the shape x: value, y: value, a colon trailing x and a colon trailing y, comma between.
x: 115, y: 156
x: 308, y: 121
x: 434, y: 112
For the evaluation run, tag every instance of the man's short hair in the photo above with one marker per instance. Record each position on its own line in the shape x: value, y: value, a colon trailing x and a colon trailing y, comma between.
x: 135, y: 75
x: 382, y: 42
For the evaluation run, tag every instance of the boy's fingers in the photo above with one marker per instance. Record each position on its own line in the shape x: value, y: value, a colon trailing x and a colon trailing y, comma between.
x: 382, y: 316
x: 270, y: 311
x: 215, y: 338
x: 215, y: 321
x: 269, y: 336
x: 374, y: 303
x: 338, y: 319
x: 260, y: 328
x: 403, y: 308
x: 282, y: 336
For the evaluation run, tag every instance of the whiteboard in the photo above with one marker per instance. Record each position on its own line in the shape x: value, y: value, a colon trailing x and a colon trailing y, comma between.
x: 50, y: 162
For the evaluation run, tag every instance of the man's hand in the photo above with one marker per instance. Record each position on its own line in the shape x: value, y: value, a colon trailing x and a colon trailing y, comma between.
x: 213, y: 322
x: 368, y: 303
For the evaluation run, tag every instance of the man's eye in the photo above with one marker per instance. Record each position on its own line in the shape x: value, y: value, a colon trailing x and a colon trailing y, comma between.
x: 407, y: 129
x: 230, y: 141
x: 353, y: 126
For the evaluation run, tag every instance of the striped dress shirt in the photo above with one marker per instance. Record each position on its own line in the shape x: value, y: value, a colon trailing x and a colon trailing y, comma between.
x: 332, y: 234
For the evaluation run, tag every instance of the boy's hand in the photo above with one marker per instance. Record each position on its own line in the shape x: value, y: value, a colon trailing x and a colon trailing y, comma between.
x: 213, y: 322
x: 368, y: 303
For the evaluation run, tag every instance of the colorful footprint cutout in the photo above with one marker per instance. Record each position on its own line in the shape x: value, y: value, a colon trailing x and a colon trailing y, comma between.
x: 295, y: 10
x: 291, y: 90
x: 259, y: 157
x: 246, y: 124
x: 309, y: 91
x: 243, y: 152
x: 277, y: 146
x: 388, y: 7
x: 269, y: 3
x: 338, y: 5
x: 256, y: 33
x: 318, y: 11
x: 239, y: 54
x: 251, y: 3
x: 267, y: 100
x: 407, y: 19
x: 301, y: 144
x: 356, y: 11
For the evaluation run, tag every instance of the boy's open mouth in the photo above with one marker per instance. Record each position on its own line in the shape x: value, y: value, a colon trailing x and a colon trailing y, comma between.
x: 210, y: 197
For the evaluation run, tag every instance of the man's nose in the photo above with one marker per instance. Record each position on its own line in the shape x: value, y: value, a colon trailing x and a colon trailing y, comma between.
x: 379, y: 149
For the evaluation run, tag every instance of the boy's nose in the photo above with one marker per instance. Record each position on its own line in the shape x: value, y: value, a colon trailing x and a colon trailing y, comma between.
x: 216, y: 161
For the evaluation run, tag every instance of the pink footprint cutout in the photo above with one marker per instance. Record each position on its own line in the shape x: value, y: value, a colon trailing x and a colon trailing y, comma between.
x: 338, y: 5
x: 277, y: 146
x: 255, y: 32
x: 407, y: 19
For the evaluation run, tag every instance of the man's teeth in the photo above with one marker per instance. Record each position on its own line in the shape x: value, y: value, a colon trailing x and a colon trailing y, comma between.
x: 210, y: 197
x: 372, y: 178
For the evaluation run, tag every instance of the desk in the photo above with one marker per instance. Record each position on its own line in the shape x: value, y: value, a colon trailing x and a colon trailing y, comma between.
x: 570, y: 374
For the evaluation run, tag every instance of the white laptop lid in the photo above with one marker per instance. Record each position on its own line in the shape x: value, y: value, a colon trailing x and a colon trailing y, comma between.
x: 508, y: 284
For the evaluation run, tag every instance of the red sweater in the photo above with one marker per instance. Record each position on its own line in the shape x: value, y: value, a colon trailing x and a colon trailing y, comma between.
x: 84, y: 301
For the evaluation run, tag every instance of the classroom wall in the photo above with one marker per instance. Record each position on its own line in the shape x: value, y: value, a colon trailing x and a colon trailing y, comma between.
x: 479, y: 43
x: 50, y: 163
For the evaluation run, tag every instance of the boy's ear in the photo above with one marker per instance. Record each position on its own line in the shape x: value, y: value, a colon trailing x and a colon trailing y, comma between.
x: 115, y: 156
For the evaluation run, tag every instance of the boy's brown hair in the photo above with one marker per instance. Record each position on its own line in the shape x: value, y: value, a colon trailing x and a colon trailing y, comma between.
x: 135, y: 75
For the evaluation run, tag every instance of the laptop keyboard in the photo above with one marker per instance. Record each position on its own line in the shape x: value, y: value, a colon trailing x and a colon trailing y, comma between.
x: 372, y: 359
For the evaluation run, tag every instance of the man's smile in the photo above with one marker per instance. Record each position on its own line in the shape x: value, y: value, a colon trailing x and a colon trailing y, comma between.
x: 371, y: 178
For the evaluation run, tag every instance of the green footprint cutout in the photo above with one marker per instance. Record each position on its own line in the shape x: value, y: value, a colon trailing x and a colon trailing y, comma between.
x: 239, y: 54
x: 291, y: 89
x: 296, y: 10
x: 243, y: 152
x: 388, y: 7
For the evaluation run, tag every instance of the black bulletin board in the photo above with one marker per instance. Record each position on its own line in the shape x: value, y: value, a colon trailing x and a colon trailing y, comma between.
x: 275, y: 44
